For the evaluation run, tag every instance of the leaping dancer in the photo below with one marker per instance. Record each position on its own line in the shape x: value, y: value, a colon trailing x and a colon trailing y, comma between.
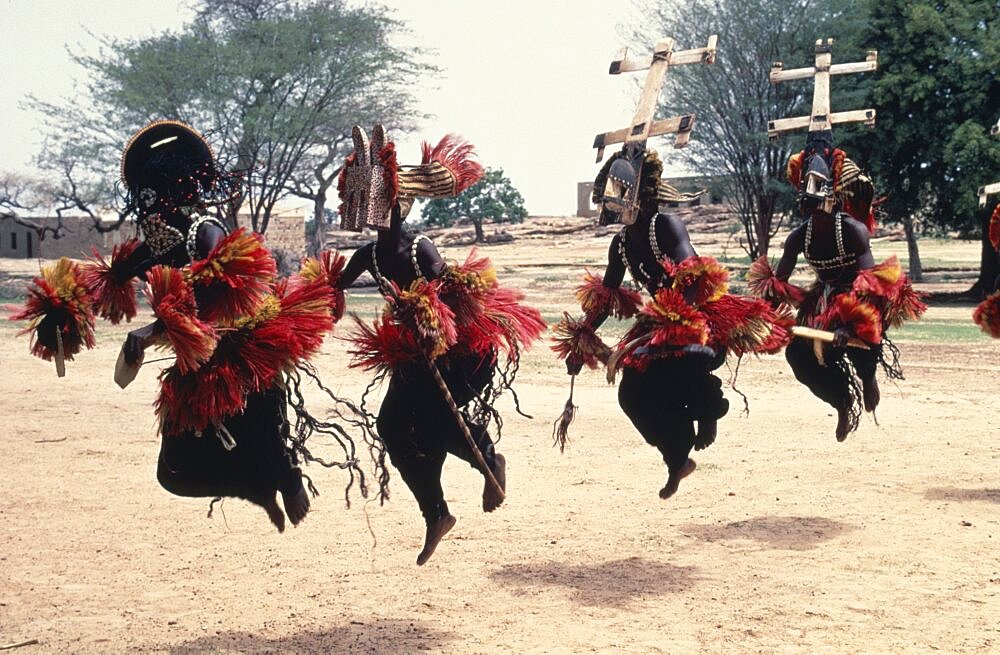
x: 685, y: 330
x: 854, y: 301
x: 239, y: 335
x: 442, y: 329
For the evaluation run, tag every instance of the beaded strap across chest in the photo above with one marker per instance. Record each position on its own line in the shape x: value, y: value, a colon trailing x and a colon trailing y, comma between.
x: 191, y: 243
x: 644, y: 277
x: 381, y: 280
x: 842, y: 259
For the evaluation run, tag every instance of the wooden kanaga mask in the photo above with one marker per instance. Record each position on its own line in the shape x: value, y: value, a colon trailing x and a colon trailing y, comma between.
x: 372, y: 182
x: 368, y: 184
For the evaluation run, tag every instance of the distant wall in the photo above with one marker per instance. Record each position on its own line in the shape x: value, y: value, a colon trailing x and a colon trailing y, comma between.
x: 584, y: 208
x: 285, y: 231
x: 76, y: 239
x: 17, y: 241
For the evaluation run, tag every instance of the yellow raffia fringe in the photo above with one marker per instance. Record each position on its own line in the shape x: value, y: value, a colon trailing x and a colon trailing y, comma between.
x: 312, y: 269
x: 268, y: 309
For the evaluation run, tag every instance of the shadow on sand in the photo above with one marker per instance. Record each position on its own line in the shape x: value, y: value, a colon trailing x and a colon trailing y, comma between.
x: 776, y: 532
x: 614, y: 583
x: 370, y: 636
x: 963, y: 495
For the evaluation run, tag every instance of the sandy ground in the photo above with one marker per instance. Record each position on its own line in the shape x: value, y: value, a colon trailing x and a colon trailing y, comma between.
x: 782, y: 541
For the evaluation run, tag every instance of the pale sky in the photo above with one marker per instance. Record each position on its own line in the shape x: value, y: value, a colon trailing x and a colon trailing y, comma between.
x: 525, y: 81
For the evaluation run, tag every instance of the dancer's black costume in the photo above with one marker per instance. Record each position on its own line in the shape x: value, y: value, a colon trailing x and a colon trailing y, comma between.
x: 441, y: 331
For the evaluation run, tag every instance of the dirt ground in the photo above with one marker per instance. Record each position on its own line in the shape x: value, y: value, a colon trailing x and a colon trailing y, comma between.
x: 782, y: 541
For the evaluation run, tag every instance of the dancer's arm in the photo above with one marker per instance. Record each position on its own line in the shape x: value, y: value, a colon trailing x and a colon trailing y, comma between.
x: 857, y: 235
x: 794, y: 245
x: 357, y: 265
x: 614, y: 275
x: 209, y: 235
x: 673, y: 238
x: 429, y: 260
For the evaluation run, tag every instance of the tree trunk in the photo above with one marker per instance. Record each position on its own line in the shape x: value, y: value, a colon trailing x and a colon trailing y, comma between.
x: 318, y: 240
x: 765, y: 216
x: 478, y: 224
x: 989, y: 263
x: 916, y: 269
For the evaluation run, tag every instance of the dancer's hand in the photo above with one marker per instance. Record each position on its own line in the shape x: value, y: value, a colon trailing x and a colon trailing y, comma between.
x: 574, y: 363
x: 137, y: 341
x: 840, y: 337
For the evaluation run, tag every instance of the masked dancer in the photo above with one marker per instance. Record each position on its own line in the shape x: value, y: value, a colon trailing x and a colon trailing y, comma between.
x: 853, y: 298
x: 681, y: 334
x: 239, y: 335
x: 440, y: 336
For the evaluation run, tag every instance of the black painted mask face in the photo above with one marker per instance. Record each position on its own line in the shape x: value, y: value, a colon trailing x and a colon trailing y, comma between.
x: 619, y: 198
x: 816, y: 188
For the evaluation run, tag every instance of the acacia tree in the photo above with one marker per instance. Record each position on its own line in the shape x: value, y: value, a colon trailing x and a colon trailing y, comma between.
x: 937, y: 92
x: 274, y: 84
x: 733, y: 98
x: 493, y: 199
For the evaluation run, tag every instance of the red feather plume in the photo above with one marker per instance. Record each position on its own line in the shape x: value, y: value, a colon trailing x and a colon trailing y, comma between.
x: 708, y: 278
x: 172, y: 299
x: 387, y: 157
x: 595, y: 298
x: 58, y: 300
x: 328, y: 267
x: 238, y: 273
x: 763, y: 283
x: 114, y: 299
x: 987, y: 315
x: 382, y: 346
x: 197, y: 400
x: 578, y: 337
x: 455, y: 153
x: 848, y: 311
x: 668, y: 320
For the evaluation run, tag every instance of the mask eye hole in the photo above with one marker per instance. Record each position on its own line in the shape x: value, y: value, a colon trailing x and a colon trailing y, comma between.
x: 815, y: 184
x: 615, y: 192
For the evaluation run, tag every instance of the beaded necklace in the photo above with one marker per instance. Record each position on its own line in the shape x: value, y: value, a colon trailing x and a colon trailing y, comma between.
x: 644, y: 277
x: 841, y: 260
x: 383, y: 282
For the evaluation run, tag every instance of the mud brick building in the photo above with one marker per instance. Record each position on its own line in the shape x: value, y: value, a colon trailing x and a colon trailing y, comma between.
x: 285, y: 232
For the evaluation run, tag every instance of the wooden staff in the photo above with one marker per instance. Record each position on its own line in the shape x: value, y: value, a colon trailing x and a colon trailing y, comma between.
x: 820, y: 337
x: 446, y: 392
x: 60, y: 355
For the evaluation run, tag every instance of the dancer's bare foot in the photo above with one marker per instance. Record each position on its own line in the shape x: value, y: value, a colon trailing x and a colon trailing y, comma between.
x: 491, y: 497
x: 296, y: 504
x: 674, y: 479
x: 435, y: 532
x: 843, y: 423
x: 707, y: 431
x: 871, y: 393
x: 275, y: 514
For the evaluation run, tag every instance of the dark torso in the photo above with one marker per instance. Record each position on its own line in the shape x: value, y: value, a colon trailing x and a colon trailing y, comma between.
x: 397, y: 256
x: 830, y: 247
x: 835, y: 246
x: 640, y: 248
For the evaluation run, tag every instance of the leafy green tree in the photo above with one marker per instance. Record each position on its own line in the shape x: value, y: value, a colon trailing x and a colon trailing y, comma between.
x: 734, y: 100
x: 937, y: 92
x: 492, y: 199
x: 276, y: 86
